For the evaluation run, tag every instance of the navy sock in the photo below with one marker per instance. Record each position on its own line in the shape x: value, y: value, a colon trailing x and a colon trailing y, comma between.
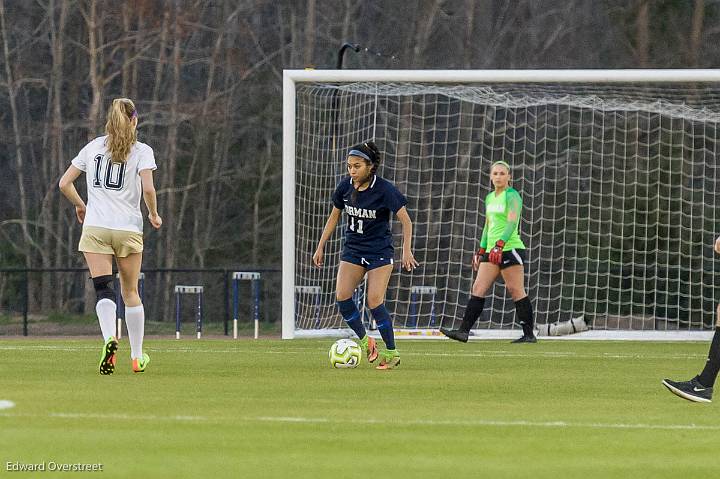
x: 712, y: 366
x: 384, y: 325
x: 351, y: 315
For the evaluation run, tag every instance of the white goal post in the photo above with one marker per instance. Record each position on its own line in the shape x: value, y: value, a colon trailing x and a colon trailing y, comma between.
x: 617, y: 170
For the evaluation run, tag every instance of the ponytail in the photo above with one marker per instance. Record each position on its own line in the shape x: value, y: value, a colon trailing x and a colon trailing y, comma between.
x: 119, y: 129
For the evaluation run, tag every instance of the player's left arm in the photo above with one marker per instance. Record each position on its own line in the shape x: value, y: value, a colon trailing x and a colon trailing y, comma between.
x: 67, y: 187
x: 408, y: 260
x: 513, y: 208
x: 150, y: 197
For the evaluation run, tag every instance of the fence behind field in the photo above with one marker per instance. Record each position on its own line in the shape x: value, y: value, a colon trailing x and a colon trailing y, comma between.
x: 61, y: 301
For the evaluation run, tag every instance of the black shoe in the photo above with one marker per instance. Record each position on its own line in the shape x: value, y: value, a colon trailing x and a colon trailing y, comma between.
x: 525, y: 339
x: 456, y: 334
x: 691, y: 390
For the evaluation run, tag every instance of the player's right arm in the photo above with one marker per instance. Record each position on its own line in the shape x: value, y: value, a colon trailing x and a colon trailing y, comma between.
x: 67, y: 187
x: 330, y: 225
x: 717, y: 245
x: 481, y: 250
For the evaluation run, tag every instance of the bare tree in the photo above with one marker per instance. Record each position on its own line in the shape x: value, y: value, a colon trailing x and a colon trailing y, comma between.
x: 12, y: 88
x: 310, y: 34
x: 642, y: 23
x: 696, y: 32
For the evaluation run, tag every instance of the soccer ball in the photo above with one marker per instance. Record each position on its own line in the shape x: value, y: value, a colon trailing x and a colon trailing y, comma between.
x: 345, y: 353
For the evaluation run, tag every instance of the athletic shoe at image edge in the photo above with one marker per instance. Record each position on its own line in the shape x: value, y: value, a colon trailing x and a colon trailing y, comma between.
x: 107, y: 358
x: 139, y: 364
x: 525, y: 339
x: 691, y: 390
x: 456, y: 334
x: 390, y: 359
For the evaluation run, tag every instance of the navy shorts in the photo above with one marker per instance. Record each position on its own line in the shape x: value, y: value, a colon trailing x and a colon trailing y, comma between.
x: 370, y: 261
x: 509, y: 258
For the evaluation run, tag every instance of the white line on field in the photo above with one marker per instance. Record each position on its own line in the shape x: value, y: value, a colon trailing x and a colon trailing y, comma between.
x: 371, y: 421
x: 459, y: 353
x: 490, y: 423
x: 5, y: 404
x: 148, y: 417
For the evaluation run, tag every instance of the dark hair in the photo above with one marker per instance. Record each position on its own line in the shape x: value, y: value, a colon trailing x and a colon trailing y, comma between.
x: 370, y: 150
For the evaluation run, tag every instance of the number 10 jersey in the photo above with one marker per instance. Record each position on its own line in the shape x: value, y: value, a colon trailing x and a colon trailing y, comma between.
x: 114, y: 189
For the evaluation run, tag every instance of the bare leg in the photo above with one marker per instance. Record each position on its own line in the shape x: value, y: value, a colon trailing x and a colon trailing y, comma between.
x: 129, y: 268
x: 348, y: 278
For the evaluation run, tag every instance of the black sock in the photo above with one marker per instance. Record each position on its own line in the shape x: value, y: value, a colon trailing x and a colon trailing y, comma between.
x: 524, y: 312
x: 712, y: 366
x: 473, y: 310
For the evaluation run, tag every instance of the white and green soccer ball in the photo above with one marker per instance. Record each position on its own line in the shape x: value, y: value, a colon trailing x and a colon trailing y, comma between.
x: 345, y: 353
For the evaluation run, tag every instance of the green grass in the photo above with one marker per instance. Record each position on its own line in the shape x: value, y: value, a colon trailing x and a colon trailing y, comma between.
x: 270, y: 408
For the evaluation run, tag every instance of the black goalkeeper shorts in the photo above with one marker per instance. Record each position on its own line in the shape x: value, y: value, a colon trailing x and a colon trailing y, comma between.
x: 509, y: 258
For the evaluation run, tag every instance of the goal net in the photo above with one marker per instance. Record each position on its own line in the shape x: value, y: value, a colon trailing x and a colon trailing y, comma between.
x: 618, y: 179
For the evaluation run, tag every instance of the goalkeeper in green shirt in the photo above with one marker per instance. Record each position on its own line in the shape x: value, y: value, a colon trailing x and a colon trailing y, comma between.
x: 506, y: 257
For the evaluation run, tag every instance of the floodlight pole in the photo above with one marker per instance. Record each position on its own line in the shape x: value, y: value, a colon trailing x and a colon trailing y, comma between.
x: 341, y: 53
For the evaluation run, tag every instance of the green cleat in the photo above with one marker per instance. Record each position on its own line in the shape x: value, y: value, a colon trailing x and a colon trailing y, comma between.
x: 107, y: 358
x: 370, y: 346
x: 390, y: 359
x: 139, y: 364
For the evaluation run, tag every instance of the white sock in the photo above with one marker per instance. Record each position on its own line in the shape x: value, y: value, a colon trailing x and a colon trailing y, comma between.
x: 106, y: 310
x: 135, y: 324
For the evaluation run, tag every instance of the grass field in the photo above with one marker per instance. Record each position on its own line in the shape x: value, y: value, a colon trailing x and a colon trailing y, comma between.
x: 268, y: 408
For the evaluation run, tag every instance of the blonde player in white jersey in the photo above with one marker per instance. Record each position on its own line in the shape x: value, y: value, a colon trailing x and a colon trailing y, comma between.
x: 118, y: 171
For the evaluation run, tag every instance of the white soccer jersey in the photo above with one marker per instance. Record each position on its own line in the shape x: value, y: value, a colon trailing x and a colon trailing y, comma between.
x: 114, y: 189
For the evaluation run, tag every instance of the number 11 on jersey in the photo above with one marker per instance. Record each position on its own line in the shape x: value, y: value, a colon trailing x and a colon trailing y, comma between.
x: 359, y: 225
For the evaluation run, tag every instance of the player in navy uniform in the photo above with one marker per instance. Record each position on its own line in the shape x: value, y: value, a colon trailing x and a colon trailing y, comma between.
x: 368, y: 201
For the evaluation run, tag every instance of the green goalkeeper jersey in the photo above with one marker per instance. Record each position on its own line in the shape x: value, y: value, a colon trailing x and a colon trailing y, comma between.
x: 497, y: 226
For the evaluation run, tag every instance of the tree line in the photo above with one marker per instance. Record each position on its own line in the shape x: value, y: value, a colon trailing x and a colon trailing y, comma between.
x: 206, y: 77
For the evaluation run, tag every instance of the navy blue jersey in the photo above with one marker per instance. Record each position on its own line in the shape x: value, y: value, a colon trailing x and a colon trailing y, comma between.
x: 368, y: 223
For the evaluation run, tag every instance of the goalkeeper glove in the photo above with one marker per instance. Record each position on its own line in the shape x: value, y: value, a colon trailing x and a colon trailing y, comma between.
x: 495, y: 255
x: 476, y: 258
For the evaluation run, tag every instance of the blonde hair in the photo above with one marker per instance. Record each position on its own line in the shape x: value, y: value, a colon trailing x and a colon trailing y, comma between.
x: 500, y: 163
x: 119, y: 129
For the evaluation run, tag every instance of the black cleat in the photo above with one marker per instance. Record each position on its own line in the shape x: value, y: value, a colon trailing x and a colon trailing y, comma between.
x: 456, y: 334
x: 691, y: 390
x: 525, y: 339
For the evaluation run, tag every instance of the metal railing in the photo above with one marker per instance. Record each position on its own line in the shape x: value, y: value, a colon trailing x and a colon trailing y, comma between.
x: 56, y: 301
